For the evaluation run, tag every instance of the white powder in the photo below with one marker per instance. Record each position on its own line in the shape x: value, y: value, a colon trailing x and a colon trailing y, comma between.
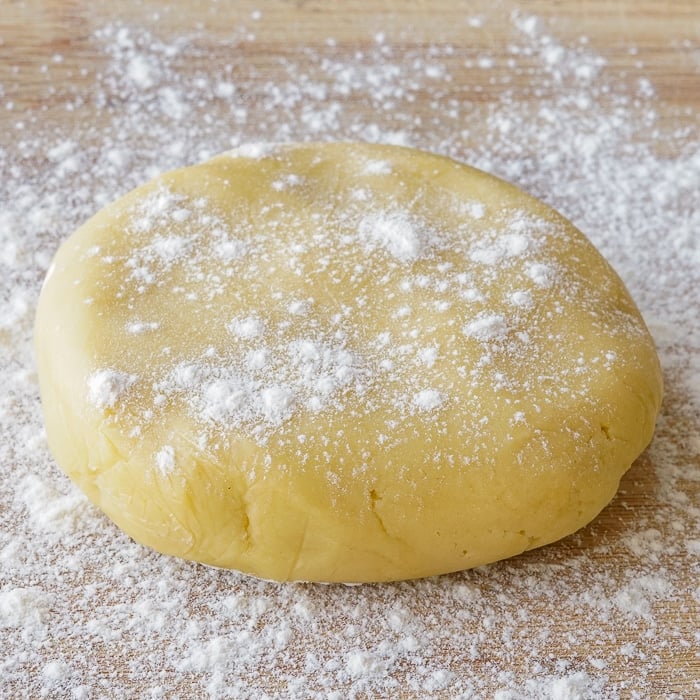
x: 520, y: 298
x: 428, y: 356
x: 185, y: 376
x: 229, y: 250
x: 225, y: 90
x: 428, y: 399
x: 365, y: 663
x: 575, y: 686
x: 258, y: 394
x: 226, y: 400
x: 377, y: 167
x: 55, y: 671
x: 508, y: 246
x: 298, y: 308
x: 249, y: 327
x: 48, y: 510
x: 486, y: 327
x: 170, y: 248
x: 541, y: 274
x: 476, y: 210
x: 142, y: 72
x: 254, y: 150
x: 138, y: 327
x: 397, y: 232
x: 86, y: 612
x: 636, y: 598
x: 19, y: 606
x: 106, y: 386
x: 287, y: 181
x: 165, y: 460
x: 276, y: 401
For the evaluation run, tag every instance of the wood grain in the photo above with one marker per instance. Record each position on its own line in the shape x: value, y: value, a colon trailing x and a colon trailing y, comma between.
x: 49, y: 58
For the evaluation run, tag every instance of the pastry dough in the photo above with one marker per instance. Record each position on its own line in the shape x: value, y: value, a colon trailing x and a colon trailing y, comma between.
x: 341, y: 362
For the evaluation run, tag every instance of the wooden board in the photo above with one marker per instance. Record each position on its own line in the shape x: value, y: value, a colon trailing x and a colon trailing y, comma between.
x: 609, y: 612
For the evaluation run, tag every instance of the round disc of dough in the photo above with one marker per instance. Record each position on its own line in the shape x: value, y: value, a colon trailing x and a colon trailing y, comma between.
x: 341, y: 362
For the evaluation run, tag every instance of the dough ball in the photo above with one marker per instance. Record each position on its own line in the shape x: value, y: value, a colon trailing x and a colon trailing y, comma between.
x: 341, y: 362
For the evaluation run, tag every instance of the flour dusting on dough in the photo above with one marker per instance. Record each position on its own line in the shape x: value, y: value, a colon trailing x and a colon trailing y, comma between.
x: 107, y: 386
x: 397, y: 232
x: 283, y: 300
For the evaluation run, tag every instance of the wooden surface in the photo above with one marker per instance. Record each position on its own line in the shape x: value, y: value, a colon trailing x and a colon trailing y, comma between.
x: 57, y: 77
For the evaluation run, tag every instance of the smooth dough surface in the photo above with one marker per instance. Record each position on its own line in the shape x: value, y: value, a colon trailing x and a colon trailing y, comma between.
x: 341, y: 362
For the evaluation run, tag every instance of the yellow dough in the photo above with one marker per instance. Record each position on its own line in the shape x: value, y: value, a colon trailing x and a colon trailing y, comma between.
x: 341, y: 362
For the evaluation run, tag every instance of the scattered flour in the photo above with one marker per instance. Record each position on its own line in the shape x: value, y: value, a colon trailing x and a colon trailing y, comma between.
x: 106, y: 386
x: 486, y: 327
x: 139, y: 327
x: 86, y: 612
x: 249, y: 327
x: 397, y: 232
x: 165, y: 460
x: 428, y: 399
